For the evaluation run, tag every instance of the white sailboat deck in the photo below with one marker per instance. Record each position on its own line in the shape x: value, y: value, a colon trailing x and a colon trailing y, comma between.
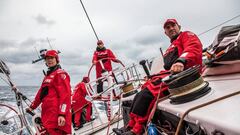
x: 222, y: 116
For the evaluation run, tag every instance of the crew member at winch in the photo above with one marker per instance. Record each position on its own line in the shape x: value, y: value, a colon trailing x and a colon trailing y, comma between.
x: 184, y: 51
x: 79, y: 103
x: 55, y: 96
x: 105, y: 56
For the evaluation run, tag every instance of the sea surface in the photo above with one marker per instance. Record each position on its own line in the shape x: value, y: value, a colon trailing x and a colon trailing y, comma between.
x: 8, y: 96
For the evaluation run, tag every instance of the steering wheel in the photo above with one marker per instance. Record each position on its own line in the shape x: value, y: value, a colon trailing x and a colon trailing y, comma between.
x: 10, y: 119
x: 90, y: 69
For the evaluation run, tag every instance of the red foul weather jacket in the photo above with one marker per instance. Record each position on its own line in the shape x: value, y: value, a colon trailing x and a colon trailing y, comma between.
x: 98, y: 55
x: 186, y: 48
x: 78, y: 98
x: 79, y: 102
x: 80, y: 91
x: 55, y: 96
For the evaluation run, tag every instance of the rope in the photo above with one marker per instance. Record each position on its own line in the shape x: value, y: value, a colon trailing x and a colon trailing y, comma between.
x: 219, y: 25
x: 155, y: 106
x: 89, y: 19
x: 118, y: 118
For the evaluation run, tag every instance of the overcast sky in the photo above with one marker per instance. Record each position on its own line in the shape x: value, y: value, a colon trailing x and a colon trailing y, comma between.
x: 131, y: 28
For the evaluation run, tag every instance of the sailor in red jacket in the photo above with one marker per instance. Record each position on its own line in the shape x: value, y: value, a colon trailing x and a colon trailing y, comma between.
x: 184, y: 51
x: 79, y: 103
x: 55, y: 97
x: 105, y: 56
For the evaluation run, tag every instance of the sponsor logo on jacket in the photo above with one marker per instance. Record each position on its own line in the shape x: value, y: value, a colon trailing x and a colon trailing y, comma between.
x: 47, y: 81
x: 102, y: 54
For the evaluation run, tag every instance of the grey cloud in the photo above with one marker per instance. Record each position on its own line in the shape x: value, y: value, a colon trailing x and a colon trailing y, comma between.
x: 31, y: 74
x: 20, y: 52
x: 134, y: 33
x: 135, y: 52
x: 75, y: 58
x: 6, y: 44
x: 141, y: 52
x: 148, y: 35
x: 34, y: 42
x: 18, y: 57
x: 148, y: 40
x: 43, y: 20
x: 13, y: 53
x: 143, y: 44
x: 3, y: 5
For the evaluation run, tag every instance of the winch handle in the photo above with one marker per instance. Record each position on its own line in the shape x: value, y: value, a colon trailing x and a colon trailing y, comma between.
x: 143, y: 63
x: 30, y: 112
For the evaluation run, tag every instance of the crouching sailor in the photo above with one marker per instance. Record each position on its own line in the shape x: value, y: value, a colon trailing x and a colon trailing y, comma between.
x: 55, y: 97
x: 184, y: 52
x: 79, y: 103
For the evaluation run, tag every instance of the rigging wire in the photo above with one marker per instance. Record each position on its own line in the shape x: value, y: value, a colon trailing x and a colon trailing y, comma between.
x: 49, y: 43
x: 219, y: 25
x: 8, y: 81
x: 5, y: 81
x: 89, y: 19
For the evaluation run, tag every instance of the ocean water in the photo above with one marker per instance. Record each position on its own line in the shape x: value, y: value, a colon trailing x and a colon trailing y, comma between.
x: 8, y: 96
